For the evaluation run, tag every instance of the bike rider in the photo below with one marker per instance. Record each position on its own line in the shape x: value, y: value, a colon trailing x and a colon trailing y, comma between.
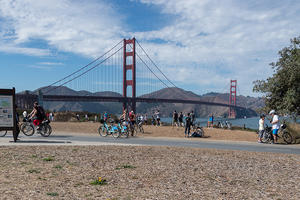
x: 37, y: 114
x: 275, y: 124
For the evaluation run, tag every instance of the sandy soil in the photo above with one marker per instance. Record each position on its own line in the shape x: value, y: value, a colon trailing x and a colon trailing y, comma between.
x: 60, y: 172
x: 162, y: 131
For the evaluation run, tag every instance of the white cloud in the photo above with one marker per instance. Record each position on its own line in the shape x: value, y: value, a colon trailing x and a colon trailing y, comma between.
x: 86, y: 28
x: 50, y: 63
x: 10, y: 48
x: 208, y: 43
x: 211, y: 41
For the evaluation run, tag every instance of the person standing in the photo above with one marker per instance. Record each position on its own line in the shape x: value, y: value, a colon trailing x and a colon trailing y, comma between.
x: 105, y: 116
x: 132, y: 120
x: 192, y: 118
x: 153, y: 120
x: 180, y: 119
x: 261, y: 127
x: 188, y: 122
x: 157, y: 118
x: 275, y: 124
x: 175, y: 119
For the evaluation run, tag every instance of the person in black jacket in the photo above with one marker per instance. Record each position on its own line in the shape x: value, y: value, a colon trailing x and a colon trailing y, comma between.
x: 188, y: 123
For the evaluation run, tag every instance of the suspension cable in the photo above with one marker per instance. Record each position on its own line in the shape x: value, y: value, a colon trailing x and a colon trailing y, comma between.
x: 82, y: 67
x: 85, y: 71
x: 156, y: 65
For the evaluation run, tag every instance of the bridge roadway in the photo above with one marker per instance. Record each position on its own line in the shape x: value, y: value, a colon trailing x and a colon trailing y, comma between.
x: 83, y: 139
x: 68, y: 98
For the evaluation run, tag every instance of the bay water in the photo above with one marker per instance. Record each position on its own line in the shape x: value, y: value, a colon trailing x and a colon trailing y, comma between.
x: 251, y: 122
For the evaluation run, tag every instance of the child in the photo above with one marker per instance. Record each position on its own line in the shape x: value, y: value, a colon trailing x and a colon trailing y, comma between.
x: 261, y: 127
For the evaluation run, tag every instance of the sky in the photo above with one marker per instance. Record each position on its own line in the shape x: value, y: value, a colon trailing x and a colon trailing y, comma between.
x: 199, y: 44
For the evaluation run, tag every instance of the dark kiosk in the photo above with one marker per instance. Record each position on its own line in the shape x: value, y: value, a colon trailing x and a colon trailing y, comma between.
x: 8, y: 111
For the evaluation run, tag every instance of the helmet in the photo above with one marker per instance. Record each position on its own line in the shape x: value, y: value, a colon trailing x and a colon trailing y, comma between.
x: 272, y: 112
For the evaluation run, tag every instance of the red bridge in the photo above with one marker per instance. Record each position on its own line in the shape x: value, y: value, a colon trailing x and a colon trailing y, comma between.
x: 125, y: 69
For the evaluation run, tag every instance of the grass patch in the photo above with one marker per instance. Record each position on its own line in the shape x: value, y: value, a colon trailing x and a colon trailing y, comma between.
x: 48, y: 159
x: 53, y: 194
x: 40, y: 178
x: 34, y: 171
x: 125, y: 167
x: 34, y: 156
x: 58, y: 167
x: 78, y: 184
x: 99, y: 181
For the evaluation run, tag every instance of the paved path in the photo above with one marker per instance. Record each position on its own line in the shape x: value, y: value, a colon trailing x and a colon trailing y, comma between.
x: 81, y: 139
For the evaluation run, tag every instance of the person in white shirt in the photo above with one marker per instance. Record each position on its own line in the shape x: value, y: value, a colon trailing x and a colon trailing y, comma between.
x: 261, y: 127
x: 275, y: 124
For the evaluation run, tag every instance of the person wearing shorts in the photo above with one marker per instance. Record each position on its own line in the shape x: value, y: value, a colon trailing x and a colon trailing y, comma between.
x: 275, y: 124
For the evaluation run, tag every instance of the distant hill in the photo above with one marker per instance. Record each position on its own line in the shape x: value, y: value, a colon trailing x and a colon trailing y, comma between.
x: 166, y: 109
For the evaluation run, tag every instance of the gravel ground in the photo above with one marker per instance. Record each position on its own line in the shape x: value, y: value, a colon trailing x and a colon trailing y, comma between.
x: 60, y: 172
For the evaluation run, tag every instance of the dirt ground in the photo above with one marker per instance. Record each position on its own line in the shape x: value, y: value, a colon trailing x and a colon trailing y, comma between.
x: 68, y: 172
x: 162, y: 131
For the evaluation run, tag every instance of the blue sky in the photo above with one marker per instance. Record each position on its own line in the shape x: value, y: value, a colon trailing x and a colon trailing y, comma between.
x: 199, y: 44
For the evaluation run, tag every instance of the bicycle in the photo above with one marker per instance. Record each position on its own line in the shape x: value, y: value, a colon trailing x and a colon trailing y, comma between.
x: 28, y: 128
x: 105, y: 130
x: 140, y: 126
x: 123, y: 130
x: 3, y: 133
x: 282, y: 133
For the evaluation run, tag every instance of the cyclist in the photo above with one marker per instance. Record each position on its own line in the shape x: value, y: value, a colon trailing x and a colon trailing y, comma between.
x: 275, y: 124
x: 37, y: 114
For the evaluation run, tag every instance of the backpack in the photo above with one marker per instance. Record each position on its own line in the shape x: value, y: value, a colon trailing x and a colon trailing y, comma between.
x: 40, y: 113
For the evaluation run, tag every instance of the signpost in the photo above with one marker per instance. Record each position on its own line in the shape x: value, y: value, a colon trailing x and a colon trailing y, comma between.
x: 8, y: 111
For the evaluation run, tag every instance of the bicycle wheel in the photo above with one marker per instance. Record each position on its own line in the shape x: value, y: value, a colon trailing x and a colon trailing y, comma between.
x: 141, y: 129
x: 287, y: 137
x: 266, y: 138
x: 102, y: 131
x: 126, y: 133
x: 27, y: 129
x: 46, y: 130
x: 3, y: 133
x: 200, y: 131
x: 116, y: 133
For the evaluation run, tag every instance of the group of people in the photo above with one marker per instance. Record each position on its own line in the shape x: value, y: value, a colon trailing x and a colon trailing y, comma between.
x: 179, y: 118
x: 275, y: 126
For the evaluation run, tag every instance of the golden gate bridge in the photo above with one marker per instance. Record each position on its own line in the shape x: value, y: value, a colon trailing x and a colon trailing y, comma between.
x: 128, y: 72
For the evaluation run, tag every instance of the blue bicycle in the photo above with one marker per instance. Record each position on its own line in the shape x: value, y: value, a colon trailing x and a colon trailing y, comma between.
x: 123, y: 129
x: 105, y: 130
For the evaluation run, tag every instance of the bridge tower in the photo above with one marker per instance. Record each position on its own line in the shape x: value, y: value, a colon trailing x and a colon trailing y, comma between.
x: 232, y: 99
x: 129, y: 65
